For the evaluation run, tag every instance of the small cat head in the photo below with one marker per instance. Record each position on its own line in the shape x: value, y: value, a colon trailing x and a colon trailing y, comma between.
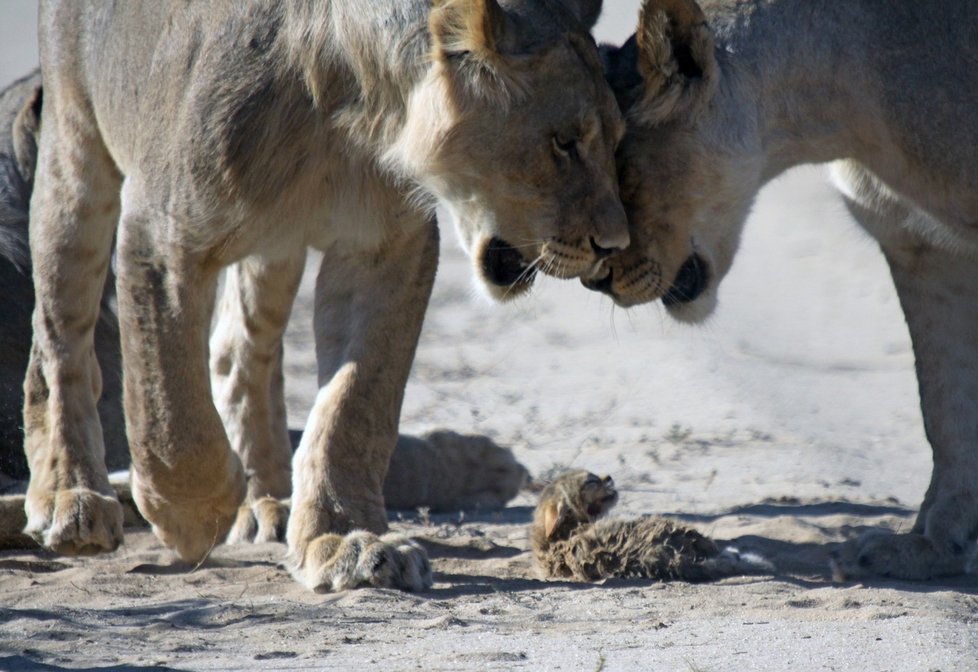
x: 573, y: 499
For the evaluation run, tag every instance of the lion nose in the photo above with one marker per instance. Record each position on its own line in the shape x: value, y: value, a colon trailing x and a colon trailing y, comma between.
x: 610, y: 229
x: 603, y: 252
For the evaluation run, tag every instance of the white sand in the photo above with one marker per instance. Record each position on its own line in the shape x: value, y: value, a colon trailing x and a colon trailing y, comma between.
x: 788, y: 423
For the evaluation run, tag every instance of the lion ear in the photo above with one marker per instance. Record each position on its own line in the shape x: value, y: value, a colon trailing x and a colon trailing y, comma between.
x: 553, y: 516
x: 675, y: 59
x: 473, y: 29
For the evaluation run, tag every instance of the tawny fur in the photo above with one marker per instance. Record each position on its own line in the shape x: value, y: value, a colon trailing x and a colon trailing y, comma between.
x: 722, y: 99
x: 571, y: 539
x: 220, y: 134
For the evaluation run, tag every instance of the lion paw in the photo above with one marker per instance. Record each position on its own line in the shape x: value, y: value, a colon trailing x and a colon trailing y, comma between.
x: 413, y: 569
x: 332, y: 562
x: 913, y: 557
x: 75, y: 522
x: 262, y: 521
x: 192, y: 526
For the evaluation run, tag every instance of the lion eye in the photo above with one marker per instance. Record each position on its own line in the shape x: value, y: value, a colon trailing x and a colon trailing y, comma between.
x: 564, y: 145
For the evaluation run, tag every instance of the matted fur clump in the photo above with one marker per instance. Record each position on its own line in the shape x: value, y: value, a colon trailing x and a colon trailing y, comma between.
x: 571, y: 541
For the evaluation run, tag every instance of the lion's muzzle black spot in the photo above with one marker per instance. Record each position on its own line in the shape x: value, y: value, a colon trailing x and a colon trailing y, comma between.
x: 602, y: 285
x: 692, y: 278
x: 503, y: 265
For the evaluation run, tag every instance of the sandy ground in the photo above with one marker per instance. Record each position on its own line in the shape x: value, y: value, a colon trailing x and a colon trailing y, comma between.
x: 787, y: 424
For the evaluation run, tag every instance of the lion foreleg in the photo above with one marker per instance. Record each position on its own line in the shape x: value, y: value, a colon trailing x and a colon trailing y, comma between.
x: 369, y: 311
x: 938, y: 291
x: 70, y: 506
x: 185, y: 479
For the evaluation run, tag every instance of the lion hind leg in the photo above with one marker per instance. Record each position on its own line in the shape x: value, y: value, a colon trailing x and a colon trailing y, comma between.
x: 247, y: 379
x: 246, y: 367
x: 70, y: 505
x: 261, y: 521
x: 938, y: 291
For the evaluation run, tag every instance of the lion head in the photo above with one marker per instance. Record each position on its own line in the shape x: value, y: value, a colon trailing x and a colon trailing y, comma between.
x: 524, y: 159
x: 688, y: 166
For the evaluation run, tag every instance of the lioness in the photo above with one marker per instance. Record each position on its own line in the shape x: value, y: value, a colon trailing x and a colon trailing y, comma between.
x: 203, y: 135
x: 720, y: 102
x: 441, y: 470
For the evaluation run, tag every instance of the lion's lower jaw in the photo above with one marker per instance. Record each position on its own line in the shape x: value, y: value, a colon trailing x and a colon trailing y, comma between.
x: 503, y: 293
x: 695, y: 312
x: 634, y: 296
